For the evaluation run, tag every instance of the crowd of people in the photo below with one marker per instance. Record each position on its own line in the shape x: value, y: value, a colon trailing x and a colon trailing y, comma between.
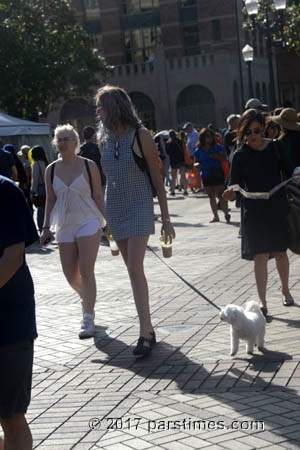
x: 255, y: 151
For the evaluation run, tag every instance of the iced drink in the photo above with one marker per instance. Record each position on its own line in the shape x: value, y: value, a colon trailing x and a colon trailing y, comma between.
x: 113, y: 246
x: 167, y: 250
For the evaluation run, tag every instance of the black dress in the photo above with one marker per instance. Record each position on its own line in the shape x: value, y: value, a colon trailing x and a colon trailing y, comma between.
x: 264, y: 224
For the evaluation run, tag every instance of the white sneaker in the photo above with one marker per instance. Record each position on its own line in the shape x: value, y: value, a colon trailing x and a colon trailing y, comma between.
x: 87, y: 329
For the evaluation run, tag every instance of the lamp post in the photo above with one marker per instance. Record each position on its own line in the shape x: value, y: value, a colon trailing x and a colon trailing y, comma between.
x: 237, y: 24
x: 252, y: 7
x: 248, y: 54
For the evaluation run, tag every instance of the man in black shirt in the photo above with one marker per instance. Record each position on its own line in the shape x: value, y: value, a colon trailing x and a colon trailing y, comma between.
x: 17, y: 315
x: 90, y: 150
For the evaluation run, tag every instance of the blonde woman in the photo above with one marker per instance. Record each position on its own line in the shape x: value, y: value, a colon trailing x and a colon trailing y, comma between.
x: 129, y: 201
x: 75, y: 211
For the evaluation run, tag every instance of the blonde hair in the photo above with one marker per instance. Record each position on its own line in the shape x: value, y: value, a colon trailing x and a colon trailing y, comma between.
x: 25, y: 148
x: 70, y: 129
x: 119, y: 111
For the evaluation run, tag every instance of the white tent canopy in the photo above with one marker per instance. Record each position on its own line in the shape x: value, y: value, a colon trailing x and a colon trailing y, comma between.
x: 19, y: 132
x: 12, y: 126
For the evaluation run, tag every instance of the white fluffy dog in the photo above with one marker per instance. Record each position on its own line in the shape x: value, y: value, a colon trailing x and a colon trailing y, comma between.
x: 247, y: 324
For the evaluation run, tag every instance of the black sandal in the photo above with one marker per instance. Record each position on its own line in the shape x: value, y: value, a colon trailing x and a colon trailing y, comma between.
x: 144, y: 350
x: 264, y: 310
x: 287, y: 300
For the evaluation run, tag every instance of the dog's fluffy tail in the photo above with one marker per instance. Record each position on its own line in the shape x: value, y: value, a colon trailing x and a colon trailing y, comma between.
x: 253, y: 307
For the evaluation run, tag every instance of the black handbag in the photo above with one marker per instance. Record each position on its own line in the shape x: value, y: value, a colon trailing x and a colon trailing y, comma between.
x: 141, y: 162
x: 293, y: 217
x: 39, y: 201
x: 293, y: 196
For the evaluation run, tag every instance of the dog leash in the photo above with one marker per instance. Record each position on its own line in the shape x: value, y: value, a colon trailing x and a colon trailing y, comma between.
x: 182, y: 279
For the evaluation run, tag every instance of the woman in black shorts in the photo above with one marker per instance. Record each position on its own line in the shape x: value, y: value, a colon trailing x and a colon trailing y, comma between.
x: 209, y: 155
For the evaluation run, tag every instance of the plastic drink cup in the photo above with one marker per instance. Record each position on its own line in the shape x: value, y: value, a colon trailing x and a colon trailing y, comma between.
x: 167, y: 250
x: 113, y: 246
x: 166, y: 247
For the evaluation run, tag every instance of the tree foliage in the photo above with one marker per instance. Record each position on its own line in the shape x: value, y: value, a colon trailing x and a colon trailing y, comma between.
x: 45, y: 56
x: 283, y: 26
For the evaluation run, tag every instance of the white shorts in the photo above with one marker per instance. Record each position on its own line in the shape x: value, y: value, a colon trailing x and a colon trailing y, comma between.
x: 70, y: 233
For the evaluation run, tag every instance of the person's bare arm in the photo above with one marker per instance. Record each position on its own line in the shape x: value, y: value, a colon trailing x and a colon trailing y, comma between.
x: 150, y: 154
x: 14, y: 173
x: 220, y: 156
x: 10, y: 261
x: 97, y: 188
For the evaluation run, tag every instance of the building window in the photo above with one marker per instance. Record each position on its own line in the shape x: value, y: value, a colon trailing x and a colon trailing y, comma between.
x: 190, y: 38
x: 216, y: 30
x: 97, y: 41
x: 138, y: 6
x: 140, y: 44
x: 145, y: 109
x: 92, y: 10
x: 184, y: 3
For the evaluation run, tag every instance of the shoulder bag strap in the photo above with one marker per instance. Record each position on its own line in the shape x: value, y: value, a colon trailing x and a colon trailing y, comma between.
x: 89, y: 174
x: 137, y: 134
x: 52, y: 172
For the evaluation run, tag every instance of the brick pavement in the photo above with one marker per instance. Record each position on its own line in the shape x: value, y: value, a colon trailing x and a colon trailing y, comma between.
x: 187, y: 394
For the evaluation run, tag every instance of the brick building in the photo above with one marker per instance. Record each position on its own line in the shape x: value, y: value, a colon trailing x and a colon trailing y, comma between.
x: 180, y: 60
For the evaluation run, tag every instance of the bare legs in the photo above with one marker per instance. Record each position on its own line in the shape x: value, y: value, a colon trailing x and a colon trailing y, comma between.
x: 133, y: 253
x: 212, y: 200
x: 78, y: 262
x: 283, y: 267
x: 17, y: 435
x: 182, y: 178
x: 261, y: 274
x: 213, y: 192
x: 173, y: 180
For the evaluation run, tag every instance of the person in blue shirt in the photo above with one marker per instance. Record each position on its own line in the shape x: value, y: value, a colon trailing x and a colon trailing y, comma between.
x: 17, y: 315
x: 209, y: 156
x: 192, y: 138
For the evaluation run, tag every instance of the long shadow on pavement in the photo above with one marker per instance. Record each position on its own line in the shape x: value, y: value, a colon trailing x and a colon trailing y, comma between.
x: 174, y: 370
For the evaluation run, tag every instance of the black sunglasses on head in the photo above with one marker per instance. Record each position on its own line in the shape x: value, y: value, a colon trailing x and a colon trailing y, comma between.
x: 116, y: 150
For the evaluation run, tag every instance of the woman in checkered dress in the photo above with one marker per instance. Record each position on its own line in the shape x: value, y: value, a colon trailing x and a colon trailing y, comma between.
x: 129, y: 202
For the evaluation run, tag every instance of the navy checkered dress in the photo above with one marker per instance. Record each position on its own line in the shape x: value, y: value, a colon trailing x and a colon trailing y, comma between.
x: 129, y: 202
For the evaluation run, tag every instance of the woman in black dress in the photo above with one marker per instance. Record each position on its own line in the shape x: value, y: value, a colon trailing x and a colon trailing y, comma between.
x: 256, y: 167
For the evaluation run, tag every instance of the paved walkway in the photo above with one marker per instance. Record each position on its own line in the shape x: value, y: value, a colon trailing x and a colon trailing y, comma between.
x: 189, y: 393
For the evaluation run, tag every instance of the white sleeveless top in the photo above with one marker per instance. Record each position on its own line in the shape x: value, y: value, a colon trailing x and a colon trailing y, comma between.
x: 74, y: 204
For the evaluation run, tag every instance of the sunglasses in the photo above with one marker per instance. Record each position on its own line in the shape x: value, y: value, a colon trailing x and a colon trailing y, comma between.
x: 64, y: 140
x: 116, y: 150
x: 255, y: 131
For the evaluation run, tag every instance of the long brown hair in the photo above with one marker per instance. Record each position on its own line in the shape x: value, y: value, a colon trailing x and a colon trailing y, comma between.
x: 249, y: 116
x: 202, y: 135
x: 118, y: 108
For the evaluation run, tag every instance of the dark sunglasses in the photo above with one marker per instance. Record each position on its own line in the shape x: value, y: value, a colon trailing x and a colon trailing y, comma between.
x: 116, y: 150
x: 255, y: 131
